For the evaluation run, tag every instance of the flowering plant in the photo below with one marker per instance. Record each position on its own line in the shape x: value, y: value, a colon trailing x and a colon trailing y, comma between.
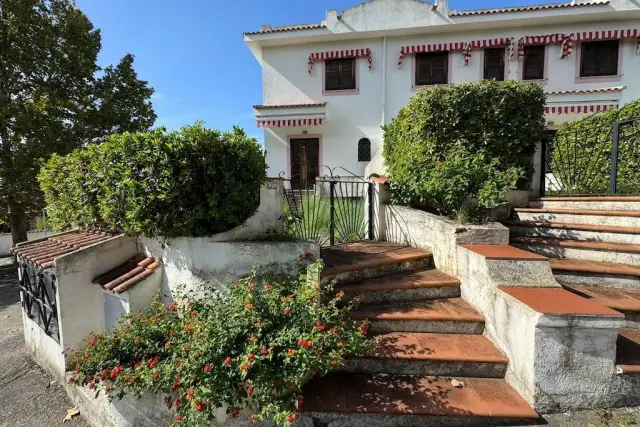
x: 254, y: 348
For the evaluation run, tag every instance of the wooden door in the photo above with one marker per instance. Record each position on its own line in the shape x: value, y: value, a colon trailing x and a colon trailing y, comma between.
x: 305, y: 155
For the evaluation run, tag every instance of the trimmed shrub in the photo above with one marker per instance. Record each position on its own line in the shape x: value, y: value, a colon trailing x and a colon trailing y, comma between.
x: 193, y: 182
x: 253, y: 349
x: 464, y: 142
x: 581, y: 158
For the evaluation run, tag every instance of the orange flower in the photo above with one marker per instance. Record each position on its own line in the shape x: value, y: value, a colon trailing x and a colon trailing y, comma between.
x: 341, y: 344
x: 190, y: 394
x: 244, y: 367
x: 207, y: 368
x: 199, y: 406
x: 227, y: 361
x: 292, y: 352
x: 251, y: 356
x: 172, y: 307
x: 249, y: 306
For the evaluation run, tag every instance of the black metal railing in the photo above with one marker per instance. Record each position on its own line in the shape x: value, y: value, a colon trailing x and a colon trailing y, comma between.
x: 599, y: 159
x: 329, y: 209
x: 38, y: 291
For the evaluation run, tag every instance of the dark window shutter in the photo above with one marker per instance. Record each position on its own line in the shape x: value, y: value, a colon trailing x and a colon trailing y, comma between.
x: 533, y: 66
x: 494, y: 63
x: 432, y: 68
x: 364, y: 150
x: 599, y: 58
x: 340, y: 74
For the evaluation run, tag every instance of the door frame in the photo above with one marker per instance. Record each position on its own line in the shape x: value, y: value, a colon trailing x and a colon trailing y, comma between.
x: 308, y: 136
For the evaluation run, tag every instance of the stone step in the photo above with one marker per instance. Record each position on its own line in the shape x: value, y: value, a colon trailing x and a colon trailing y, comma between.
x: 617, y: 218
x: 403, y: 353
x: 596, y: 273
x: 628, y: 352
x: 359, y: 261
x: 404, y: 287
x: 614, y: 203
x: 561, y: 230
x: 449, y: 316
x: 619, y: 253
x: 374, y: 400
x: 625, y: 301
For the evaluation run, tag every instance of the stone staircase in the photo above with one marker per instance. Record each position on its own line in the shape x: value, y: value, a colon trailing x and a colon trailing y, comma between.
x: 594, y: 248
x: 432, y: 365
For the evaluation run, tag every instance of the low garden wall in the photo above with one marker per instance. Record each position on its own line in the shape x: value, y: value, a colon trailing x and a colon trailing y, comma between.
x: 6, y: 240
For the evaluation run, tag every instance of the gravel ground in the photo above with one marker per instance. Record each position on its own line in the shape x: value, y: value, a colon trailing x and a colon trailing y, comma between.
x: 28, y: 399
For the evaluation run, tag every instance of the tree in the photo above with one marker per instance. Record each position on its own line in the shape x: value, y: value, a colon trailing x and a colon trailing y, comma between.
x: 52, y: 99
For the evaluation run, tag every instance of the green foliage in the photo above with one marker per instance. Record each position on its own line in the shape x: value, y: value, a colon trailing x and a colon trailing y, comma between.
x: 581, y: 159
x: 254, y: 348
x: 53, y: 99
x: 192, y: 182
x: 462, y: 142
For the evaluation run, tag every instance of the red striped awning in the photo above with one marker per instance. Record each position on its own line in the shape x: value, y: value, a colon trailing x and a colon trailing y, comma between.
x: 289, y: 123
x: 464, y: 47
x: 567, y: 45
x: 337, y: 54
x: 538, y: 40
x: 576, y: 109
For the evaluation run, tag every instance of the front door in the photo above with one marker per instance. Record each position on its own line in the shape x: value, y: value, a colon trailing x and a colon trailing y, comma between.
x: 305, y: 154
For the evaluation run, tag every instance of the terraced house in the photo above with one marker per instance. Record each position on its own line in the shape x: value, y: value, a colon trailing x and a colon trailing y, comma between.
x: 328, y: 87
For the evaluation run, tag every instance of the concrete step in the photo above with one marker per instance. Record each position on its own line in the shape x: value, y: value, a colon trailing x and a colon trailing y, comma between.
x: 359, y: 261
x: 403, y: 353
x: 560, y: 230
x: 449, y: 316
x: 628, y: 352
x: 619, y: 253
x: 625, y: 301
x: 412, y: 401
x: 404, y: 287
x: 595, y: 273
x: 613, y: 203
x: 618, y: 218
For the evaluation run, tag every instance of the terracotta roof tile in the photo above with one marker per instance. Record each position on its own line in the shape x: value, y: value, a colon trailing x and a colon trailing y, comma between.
x: 127, y: 275
x: 43, y: 252
x: 285, y: 28
x: 275, y: 107
x: 527, y: 8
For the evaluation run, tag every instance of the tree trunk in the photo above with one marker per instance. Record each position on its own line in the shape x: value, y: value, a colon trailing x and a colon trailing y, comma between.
x: 16, y: 221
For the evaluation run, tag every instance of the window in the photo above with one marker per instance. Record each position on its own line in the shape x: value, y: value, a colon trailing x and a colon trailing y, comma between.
x: 364, y: 150
x: 432, y: 68
x: 494, y: 63
x: 340, y: 74
x: 533, y: 65
x: 599, y: 58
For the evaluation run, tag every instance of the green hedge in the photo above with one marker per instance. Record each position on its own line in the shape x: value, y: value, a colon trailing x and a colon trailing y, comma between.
x: 192, y: 182
x: 463, y: 142
x: 581, y: 159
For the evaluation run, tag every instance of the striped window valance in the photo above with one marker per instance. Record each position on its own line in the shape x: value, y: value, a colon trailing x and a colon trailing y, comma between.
x: 464, y: 47
x: 338, y: 54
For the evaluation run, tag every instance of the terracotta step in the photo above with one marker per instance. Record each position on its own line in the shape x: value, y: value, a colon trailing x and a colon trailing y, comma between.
x: 594, y: 267
x: 432, y: 354
x: 579, y: 244
x: 594, y: 212
x: 617, y: 299
x: 408, y: 286
x: 574, y: 226
x: 504, y: 252
x: 449, y: 315
x: 628, y: 351
x: 358, y: 261
x: 417, y: 396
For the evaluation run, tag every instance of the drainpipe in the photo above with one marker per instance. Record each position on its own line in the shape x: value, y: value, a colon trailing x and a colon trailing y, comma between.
x: 384, y: 78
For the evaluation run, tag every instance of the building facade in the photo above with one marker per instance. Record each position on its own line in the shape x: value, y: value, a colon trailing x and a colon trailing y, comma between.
x: 328, y: 88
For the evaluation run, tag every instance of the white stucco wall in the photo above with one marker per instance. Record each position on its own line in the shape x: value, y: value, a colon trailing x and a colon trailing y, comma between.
x: 385, y: 89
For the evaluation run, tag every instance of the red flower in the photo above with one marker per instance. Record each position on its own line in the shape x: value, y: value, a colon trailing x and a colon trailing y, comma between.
x: 292, y: 418
x: 291, y: 297
x: 356, y: 300
x: 207, y: 367
x: 333, y: 330
x: 190, y: 394
x: 268, y: 287
x: 252, y: 356
x: 179, y: 418
x: 177, y: 402
x: 253, y: 417
x: 304, y: 343
x: 227, y: 361
x: 320, y: 326
x: 193, y: 313
x: 155, y: 376
x: 199, y: 406
x: 234, y: 413
x: 172, y: 307
x: 287, y: 311
x: 168, y: 403
x: 90, y: 378
x: 249, y: 391
x: 153, y: 362
x: 92, y: 385
x: 341, y: 344
x: 116, y: 372
x: 292, y: 352
x: 334, y: 363
x: 249, y: 306
x: 300, y: 401
x: 363, y: 329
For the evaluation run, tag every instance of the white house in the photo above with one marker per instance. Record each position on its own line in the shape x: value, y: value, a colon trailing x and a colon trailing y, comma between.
x: 329, y: 87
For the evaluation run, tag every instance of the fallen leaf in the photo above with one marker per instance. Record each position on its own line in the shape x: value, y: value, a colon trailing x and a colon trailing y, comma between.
x: 458, y: 384
x: 73, y: 412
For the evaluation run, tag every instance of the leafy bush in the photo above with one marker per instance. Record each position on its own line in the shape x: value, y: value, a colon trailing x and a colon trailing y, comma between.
x: 469, y: 141
x: 192, y: 182
x: 254, y: 348
x: 581, y: 159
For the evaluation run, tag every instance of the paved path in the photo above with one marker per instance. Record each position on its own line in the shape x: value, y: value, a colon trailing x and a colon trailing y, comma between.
x: 27, y: 399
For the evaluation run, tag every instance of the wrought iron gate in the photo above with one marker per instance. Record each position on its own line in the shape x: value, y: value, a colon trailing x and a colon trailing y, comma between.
x: 38, y: 291
x: 329, y: 209
x: 599, y: 159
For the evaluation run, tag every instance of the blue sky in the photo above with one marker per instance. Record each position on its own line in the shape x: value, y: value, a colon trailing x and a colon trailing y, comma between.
x: 192, y: 52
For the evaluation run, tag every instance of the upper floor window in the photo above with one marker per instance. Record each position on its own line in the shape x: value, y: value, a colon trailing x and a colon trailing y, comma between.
x: 432, y: 68
x: 533, y: 64
x: 340, y: 74
x: 599, y: 58
x: 364, y: 150
x: 494, y: 63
